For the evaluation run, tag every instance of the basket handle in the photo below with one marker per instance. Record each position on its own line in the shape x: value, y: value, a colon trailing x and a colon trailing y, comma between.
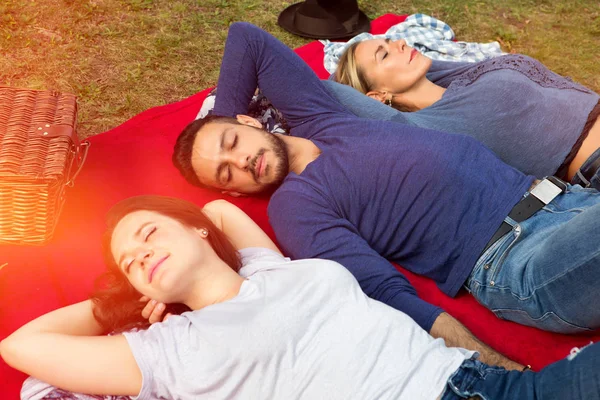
x: 85, y: 146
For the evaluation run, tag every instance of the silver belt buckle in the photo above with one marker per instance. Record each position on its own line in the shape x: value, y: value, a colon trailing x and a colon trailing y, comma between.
x: 546, y: 191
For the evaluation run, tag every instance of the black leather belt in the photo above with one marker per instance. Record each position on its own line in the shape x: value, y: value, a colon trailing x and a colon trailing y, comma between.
x: 540, y: 195
x: 586, y: 174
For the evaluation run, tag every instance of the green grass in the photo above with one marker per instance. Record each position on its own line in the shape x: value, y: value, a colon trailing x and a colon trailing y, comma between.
x: 124, y: 56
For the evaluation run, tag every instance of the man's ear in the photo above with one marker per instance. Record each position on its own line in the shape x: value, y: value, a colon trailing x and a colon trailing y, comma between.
x: 233, y: 194
x: 247, y: 120
x: 377, y: 95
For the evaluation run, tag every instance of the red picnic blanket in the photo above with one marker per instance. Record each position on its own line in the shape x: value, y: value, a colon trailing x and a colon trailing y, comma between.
x: 135, y: 158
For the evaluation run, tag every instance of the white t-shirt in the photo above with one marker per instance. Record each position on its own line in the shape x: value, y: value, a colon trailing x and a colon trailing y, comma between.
x: 296, y: 330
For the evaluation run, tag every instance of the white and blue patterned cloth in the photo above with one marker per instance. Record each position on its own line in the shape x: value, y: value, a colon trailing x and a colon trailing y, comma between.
x: 430, y: 36
x: 260, y: 108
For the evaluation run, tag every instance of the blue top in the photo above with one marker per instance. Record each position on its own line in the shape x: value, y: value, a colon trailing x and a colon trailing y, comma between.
x: 426, y: 199
x: 528, y: 115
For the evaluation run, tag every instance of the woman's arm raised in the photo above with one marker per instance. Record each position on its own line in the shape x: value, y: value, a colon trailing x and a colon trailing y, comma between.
x: 63, y: 348
x: 241, y: 230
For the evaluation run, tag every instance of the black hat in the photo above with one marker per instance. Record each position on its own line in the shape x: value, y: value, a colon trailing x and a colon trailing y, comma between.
x: 324, y: 19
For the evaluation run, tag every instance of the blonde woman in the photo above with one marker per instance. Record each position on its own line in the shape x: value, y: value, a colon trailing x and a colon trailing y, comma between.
x: 535, y: 120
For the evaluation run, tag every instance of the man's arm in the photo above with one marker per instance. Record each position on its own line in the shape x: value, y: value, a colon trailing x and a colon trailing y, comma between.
x: 456, y: 334
x: 254, y: 58
x: 306, y: 227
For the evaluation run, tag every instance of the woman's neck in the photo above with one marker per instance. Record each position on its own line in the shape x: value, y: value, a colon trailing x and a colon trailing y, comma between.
x: 218, y: 286
x: 422, y: 95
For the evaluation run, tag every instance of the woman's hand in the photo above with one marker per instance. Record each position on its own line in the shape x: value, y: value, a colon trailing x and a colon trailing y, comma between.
x: 154, y: 310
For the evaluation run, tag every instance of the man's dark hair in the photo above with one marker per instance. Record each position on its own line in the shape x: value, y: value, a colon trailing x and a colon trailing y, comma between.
x: 182, y: 153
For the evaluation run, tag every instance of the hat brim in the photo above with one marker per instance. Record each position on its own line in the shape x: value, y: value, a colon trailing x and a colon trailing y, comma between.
x: 286, y: 21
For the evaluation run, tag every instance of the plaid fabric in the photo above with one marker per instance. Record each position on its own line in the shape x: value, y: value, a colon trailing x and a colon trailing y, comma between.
x: 430, y: 36
x: 260, y: 108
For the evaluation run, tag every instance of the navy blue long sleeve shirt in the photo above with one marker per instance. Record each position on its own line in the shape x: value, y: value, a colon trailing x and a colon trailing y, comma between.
x: 379, y: 190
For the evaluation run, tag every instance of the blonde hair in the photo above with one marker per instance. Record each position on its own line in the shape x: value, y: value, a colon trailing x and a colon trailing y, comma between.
x: 349, y: 73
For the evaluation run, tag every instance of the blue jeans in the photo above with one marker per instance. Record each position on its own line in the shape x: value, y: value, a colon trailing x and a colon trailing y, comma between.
x: 576, y: 377
x: 545, y: 273
x: 594, y: 181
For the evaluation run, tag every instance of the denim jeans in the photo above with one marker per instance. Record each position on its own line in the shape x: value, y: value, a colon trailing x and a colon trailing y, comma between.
x: 594, y: 181
x: 576, y: 377
x: 546, y: 272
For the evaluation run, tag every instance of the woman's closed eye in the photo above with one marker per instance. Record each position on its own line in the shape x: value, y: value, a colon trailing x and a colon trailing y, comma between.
x: 385, y: 52
x: 150, y: 232
x: 128, y: 266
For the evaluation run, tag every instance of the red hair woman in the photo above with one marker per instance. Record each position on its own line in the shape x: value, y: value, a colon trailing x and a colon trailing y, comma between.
x: 272, y: 329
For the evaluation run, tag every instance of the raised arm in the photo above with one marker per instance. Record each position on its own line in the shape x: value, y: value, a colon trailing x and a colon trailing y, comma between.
x: 307, y: 229
x: 63, y: 349
x: 253, y: 58
x: 241, y: 230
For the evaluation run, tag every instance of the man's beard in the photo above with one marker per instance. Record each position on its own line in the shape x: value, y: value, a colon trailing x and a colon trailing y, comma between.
x: 282, y: 168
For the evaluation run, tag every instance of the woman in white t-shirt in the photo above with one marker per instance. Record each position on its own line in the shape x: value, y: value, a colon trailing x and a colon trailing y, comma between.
x: 272, y: 329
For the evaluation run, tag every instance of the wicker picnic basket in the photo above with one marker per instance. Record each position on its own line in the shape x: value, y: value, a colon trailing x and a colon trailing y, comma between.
x: 39, y: 155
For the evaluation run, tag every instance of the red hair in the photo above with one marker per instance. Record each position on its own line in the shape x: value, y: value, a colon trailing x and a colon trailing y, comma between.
x: 116, y: 302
